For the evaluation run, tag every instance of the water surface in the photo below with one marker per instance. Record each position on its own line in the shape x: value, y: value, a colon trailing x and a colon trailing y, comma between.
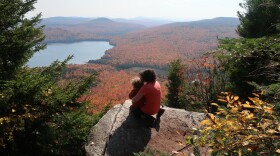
x: 82, y: 51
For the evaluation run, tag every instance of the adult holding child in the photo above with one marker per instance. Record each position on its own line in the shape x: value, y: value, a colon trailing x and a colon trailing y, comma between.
x: 151, y: 93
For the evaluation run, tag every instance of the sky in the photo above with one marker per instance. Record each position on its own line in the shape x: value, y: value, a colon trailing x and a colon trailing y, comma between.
x: 160, y: 9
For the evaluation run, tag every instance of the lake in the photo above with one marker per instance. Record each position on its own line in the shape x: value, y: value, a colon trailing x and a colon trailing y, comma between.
x: 82, y: 51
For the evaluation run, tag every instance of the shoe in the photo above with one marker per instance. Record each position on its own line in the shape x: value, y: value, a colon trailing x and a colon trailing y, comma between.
x: 149, y: 121
x: 160, y: 112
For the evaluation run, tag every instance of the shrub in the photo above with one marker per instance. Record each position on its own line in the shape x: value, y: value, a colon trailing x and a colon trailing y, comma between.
x: 243, y: 128
x: 203, y: 81
x: 150, y: 152
x: 36, y: 111
x: 176, y: 84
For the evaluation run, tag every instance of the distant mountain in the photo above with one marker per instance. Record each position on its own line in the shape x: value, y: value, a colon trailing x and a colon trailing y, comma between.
x: 63, y: 21
x: 86, y: 29
x: 67, y: 21
x: 100, y: 20
x: 148, y: 22
x: 64, y: 29
x: 157, y: 46
x: 208, y: 23
x: 104, y: 26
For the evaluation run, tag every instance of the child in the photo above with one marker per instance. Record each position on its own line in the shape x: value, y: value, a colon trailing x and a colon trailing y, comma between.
x: 137, y: 84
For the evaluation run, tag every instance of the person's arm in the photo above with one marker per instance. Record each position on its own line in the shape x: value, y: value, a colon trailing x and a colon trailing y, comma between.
x: 132, y: 93
x: 137, y: 97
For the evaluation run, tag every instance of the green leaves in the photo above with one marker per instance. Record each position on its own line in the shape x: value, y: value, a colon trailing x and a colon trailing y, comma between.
x: 20, y: 37
x: 35, y: 103
x: 250, y: 60
x: 260, y: 18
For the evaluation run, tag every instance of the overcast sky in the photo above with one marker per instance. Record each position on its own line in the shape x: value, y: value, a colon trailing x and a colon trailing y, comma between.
x: 162, y: 9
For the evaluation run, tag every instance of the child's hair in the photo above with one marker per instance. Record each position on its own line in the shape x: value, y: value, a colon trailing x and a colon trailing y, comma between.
x: 137, y: 83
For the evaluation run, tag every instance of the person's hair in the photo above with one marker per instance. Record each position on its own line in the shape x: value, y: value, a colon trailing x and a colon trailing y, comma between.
x: 148, y: 75
x: 137, y: 83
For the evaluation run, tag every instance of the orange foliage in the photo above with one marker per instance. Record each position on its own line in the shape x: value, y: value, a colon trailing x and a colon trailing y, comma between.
x: 113, y: 89
x: 152, y: 47
x: 113, y: 86
x: 158, y: 46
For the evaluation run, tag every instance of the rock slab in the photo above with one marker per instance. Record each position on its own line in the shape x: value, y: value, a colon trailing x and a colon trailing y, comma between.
x: 119, y: 133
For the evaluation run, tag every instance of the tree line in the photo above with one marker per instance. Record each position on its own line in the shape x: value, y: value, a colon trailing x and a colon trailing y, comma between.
x: 39, y: 115
x: 238, y: 87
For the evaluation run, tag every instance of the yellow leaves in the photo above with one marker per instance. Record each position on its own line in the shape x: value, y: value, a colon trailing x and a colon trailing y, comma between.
x: 228, y: 98
x: 236, y: 98
x: 240, y: 125
x: 206, y: 122
x: 214, y: 104
x: 5, y: 120
x: 249, y: 150
x: 175, y: 152
x: 222, y: 100
x: 233, y: 110
x: 210, y: 151
x: 268, y: 109
x: 257, y: 95
x: 179, y: 142
x: 210, y: 120
x: 240, y: 152
x: 219, y: 113
x: 256, y: 101
x: 248, y: 106
x: 47, y: 92
x: 271, y: 131
x: 207, y: 128
x: 222, y: 111
x: 1, y: 121
x: 220, y: 140
x: 250, y: 116
x: 266, y: 123
x: 249, y: 137
x: 211, y: 117
x: 245, y: 143
x: 230, y: 124
x: 225, y: 93
x: 232, y: 98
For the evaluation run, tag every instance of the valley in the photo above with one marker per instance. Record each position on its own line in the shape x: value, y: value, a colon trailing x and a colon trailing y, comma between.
x: 137, y: 47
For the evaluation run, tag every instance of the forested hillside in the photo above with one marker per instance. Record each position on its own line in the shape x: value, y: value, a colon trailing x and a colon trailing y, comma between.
x: 147, y: 48
x: 156, y: 47
x: 137, y: 46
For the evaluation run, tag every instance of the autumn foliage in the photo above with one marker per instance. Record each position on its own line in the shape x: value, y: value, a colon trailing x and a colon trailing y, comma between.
x: 156, y: 47
x: 112, y: 88
x: 238, y: 127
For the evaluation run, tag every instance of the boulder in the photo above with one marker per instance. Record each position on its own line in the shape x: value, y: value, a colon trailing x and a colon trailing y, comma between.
x: 119, y: 133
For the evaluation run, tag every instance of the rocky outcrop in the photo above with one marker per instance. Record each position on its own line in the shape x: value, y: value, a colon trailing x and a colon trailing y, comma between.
x: 119, y: 133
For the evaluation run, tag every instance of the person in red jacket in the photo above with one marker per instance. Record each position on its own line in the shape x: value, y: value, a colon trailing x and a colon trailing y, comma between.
x: 151, y: 92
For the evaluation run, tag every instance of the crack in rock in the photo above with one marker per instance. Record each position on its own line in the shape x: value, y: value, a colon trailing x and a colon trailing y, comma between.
x: 110, y: 131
